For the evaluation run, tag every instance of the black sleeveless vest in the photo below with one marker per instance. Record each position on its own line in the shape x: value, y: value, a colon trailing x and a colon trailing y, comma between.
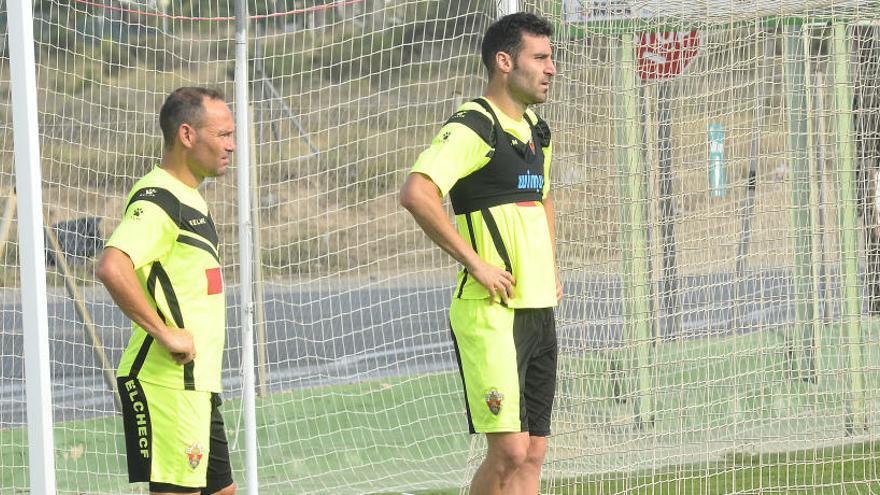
x: 515, y: 172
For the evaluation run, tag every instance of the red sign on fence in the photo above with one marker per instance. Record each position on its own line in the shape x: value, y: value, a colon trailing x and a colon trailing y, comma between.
x: 665, y: 55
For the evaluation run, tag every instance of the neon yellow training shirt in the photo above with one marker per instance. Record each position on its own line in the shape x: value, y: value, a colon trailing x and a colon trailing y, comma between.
x: 457, y: 152
x: 170, y: 237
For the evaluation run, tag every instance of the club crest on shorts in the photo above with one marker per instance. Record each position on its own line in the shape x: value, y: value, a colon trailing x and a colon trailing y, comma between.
x: 493, y: 401
x: 194, y: 455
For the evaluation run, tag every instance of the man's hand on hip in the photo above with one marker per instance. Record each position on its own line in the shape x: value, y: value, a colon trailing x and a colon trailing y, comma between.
x: 179, y: 343
x: 497, y: 281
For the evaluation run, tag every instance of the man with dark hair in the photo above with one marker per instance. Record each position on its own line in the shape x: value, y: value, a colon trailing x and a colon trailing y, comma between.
x: 184, y: 105
x: 505, y: 35
x: 493, y: 158
x: 162, y: 267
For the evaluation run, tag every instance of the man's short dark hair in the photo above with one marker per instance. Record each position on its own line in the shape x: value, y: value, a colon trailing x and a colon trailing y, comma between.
x: 505, y: 35
x: 184, y: 106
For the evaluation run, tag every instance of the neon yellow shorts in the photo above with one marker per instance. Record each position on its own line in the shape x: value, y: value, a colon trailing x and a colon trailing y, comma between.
x: 507, y: 358
x: 167, y: 433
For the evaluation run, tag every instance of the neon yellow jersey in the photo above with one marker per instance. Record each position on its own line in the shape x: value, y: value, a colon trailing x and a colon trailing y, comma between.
x: 462, y: 148
x: 170, y: 237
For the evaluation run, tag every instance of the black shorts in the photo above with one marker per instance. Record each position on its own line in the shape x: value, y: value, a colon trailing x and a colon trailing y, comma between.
x: 166, y: 432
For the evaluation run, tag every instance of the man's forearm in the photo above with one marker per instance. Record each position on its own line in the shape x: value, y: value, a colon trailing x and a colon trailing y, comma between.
x: 446, y: 237
x: 424, y: 204
x: 125, y: 289
x: 551, y: 224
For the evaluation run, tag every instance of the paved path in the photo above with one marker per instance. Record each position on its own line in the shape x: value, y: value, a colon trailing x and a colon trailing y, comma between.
x: 338, y: 336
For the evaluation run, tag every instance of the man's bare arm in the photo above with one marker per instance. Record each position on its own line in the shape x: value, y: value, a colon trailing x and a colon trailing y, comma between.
x: 116, y: 271
x: 421, y: 197
x: 551, y: 223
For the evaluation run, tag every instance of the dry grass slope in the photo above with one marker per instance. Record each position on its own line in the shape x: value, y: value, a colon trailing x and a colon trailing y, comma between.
x: 369, y: 101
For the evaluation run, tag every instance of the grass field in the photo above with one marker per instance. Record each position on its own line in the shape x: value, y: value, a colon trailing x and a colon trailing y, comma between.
x: 344, y: 439
x: 832, y: 471
x: 838, y: 470
x: 408, y: 433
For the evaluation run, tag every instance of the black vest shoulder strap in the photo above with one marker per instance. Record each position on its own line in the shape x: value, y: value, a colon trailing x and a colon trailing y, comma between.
x: 487, y: 107
x: 540, y: 127
x: 477, y: 122
x: 543, y: 131
x: 496, y: 124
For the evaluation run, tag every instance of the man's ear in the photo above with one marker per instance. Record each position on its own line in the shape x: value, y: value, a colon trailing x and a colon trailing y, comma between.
x: 503, y: 62
x: 187, y: 134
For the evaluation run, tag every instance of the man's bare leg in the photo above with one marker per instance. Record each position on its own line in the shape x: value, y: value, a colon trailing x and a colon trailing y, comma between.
x: 507, y: 452
x: 527, y: 479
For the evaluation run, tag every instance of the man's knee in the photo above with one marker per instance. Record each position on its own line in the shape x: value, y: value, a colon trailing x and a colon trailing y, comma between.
x: 536, y: 452
x: 509, y: 454
x: 514, y: 456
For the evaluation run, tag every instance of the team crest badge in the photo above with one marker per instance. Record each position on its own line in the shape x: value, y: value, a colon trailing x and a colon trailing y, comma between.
x: 194, y: 455
x: 493, y: 401
x: 532, y: 146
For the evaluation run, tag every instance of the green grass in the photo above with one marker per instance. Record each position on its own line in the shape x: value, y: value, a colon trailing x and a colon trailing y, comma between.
x: 355, y: 438
x: 365, y: 436
x: 729, y: 419
x: 840, y: 470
